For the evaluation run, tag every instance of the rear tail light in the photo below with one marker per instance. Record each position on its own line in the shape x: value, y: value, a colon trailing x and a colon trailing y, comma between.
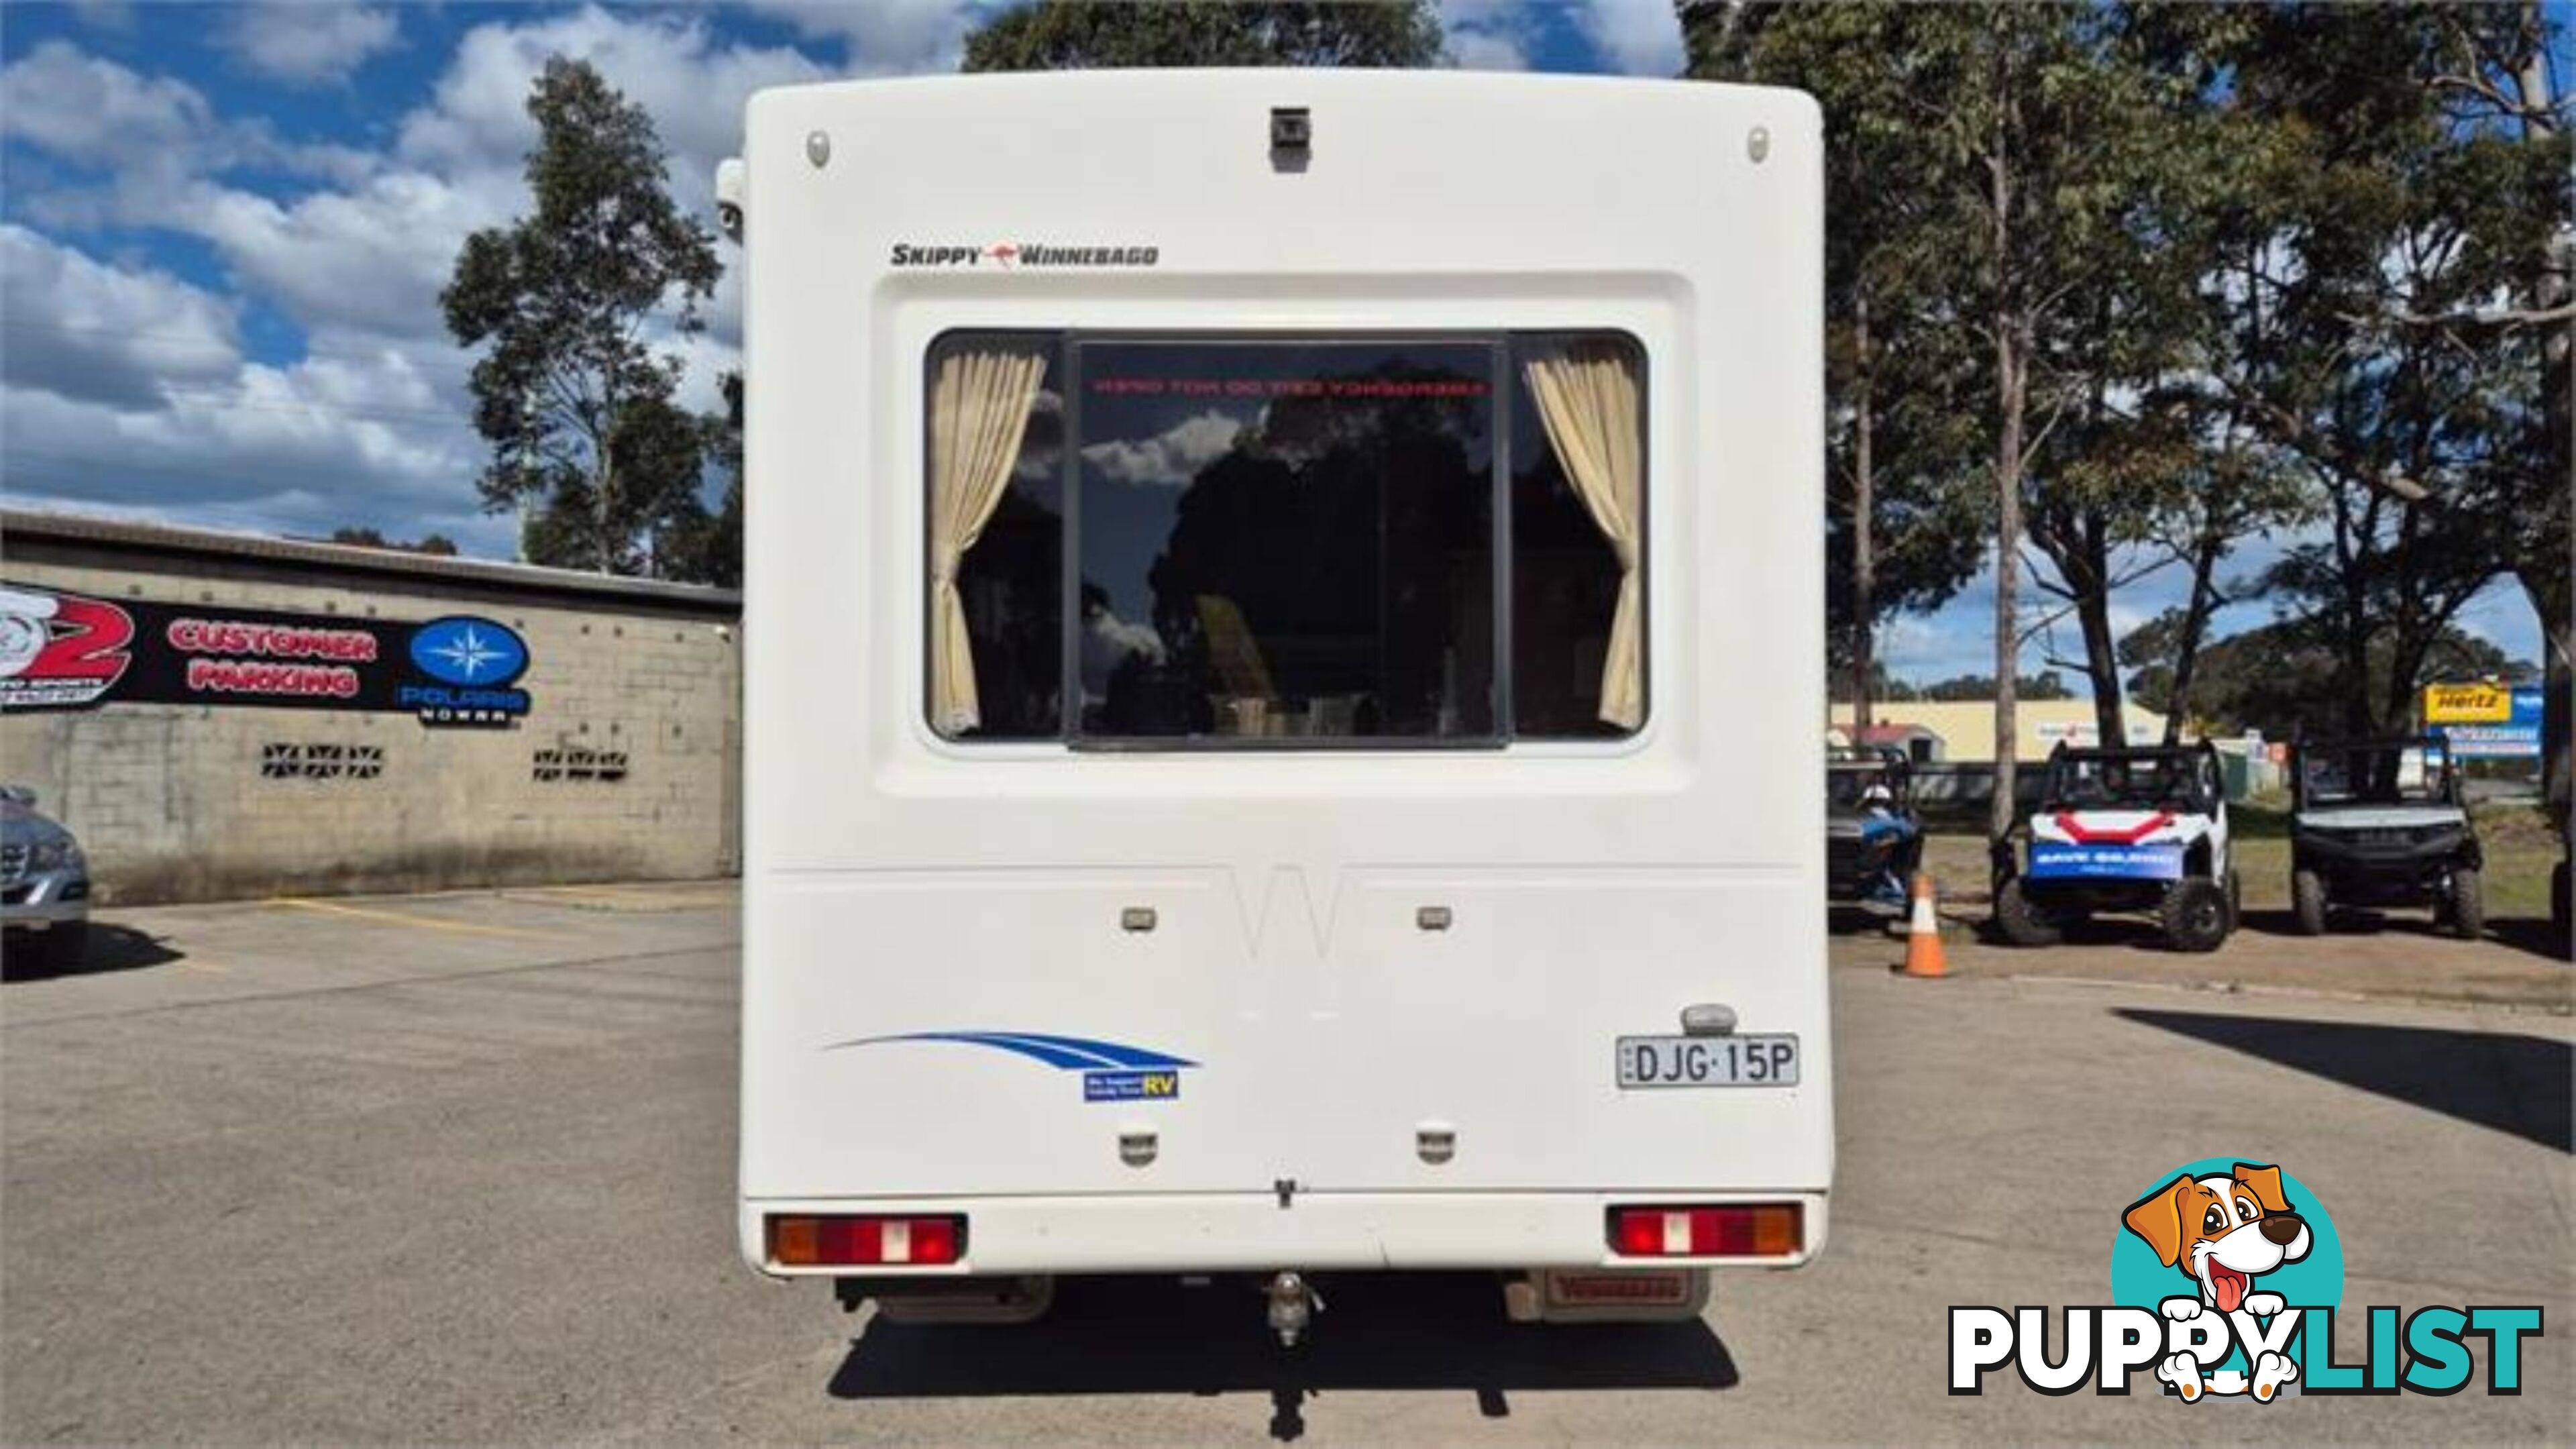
x: 1735, y: 1230
x: 854, y: 1242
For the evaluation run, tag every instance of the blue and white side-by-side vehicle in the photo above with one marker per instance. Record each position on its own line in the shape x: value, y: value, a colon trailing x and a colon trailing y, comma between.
x: 2124, y: 829
x: 1873, y: 839
x: 1281, y: 685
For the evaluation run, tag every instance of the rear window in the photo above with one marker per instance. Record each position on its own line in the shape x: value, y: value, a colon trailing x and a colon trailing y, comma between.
x: 2388, y: 775
x: 2169, y: 781
x: 1259, y: 542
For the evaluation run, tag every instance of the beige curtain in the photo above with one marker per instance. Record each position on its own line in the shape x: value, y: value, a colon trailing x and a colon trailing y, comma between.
x: 1587, y: 398
x: 979, y: 409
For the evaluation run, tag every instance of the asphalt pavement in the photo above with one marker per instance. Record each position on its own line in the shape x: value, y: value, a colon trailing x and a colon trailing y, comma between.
x: 459, y: 1168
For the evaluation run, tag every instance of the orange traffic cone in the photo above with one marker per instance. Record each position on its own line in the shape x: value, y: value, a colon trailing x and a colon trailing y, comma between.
x: 1923, y: 933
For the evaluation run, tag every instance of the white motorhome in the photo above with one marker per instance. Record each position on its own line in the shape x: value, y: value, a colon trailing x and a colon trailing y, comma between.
x: 1284, y: 646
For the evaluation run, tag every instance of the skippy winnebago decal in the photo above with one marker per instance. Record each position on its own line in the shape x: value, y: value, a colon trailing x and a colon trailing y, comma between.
x: 2225, y: 1279
x: 63, y: 651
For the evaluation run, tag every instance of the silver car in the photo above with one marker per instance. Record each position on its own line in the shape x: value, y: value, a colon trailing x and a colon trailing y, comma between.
x: 44, y: 884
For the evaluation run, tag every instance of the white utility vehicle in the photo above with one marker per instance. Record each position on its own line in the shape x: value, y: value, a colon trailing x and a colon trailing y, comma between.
x: 1284, y: 648
x: 2125, y: 828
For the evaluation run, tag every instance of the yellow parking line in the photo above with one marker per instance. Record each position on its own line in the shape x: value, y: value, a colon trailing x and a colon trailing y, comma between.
x: 642, y: 897
x: 404, y: 918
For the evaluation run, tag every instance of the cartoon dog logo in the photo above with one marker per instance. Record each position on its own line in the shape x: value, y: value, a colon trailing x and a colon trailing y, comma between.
x: 2222, y: 1233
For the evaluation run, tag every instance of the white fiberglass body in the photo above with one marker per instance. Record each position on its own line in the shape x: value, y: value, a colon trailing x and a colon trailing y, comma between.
x: 1272, y: 999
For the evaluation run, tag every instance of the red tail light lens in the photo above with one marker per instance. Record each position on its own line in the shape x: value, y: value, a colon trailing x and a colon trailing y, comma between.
x: 865, y: 1242
x: 1736, y: 1230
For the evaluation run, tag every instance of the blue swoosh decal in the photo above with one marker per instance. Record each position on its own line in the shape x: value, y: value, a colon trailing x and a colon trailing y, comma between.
x: 1068, y: 1053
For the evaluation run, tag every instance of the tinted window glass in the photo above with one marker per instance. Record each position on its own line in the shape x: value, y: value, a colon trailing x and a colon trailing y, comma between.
x: 2388, y: 775
x: 1286, y: 540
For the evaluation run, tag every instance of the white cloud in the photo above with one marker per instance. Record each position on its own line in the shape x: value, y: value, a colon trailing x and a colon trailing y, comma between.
x: 1487, y: 50
x: 372, y: 249
x: 302, y: 42
x: 477, y: 121
x: 151, y: 137
x: 1117, y: 638
x: 97, y: 112
x: 1486, y: 34
x: 350, y: 423
x: 886, y: 37
x: 1042, y: 446
x: 1639, y: 37
x: 288, y: 449
x: 373, y: 425
x: 125, y: 388
x: 1170, y: 458
x: 88, y: 331
x: 373, y: 257
x: 1108, y: 642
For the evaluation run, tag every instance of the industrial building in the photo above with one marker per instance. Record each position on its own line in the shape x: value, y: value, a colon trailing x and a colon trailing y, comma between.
x: 1962, y: 731
x: 222, y: 716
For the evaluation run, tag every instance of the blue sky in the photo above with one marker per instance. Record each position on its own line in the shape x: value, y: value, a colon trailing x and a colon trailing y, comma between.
x: 223, y: 229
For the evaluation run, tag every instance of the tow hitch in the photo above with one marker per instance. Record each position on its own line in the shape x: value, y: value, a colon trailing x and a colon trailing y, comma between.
x: 1293, y: 1305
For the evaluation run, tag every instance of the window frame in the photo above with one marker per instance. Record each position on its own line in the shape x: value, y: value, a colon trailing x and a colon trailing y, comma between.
x: 1503, y: 346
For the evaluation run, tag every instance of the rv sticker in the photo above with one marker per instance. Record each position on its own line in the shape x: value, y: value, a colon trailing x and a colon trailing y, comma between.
x: 1110, y: 1071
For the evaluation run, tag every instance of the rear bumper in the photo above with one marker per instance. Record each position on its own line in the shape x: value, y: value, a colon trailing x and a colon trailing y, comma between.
x: 1318, y: 1231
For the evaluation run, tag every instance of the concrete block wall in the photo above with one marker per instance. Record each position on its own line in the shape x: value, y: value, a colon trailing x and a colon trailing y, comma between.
x: 171, y: 802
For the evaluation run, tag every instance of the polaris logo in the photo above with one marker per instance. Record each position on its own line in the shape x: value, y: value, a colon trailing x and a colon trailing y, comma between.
x: 1010, y: 256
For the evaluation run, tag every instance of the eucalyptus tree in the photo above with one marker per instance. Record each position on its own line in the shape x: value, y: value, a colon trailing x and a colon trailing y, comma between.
x: 588, y: 439
x: 1070, y: 35
x: 2392, y: 369
x: 2035, y: 145
x: 1905, y: 525
x: 2492, y: 72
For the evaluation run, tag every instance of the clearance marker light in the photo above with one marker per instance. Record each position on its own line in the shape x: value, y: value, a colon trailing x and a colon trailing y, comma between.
x: 1737, y: 1230
x: 853, y: 1242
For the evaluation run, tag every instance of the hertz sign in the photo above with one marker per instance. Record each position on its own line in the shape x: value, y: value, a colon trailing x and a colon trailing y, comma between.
x: 2467, y: 704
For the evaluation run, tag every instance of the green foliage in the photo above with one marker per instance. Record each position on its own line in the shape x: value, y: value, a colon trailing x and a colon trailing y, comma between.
x: 2187, y: 274
x: 437, y: 545
x: 2047, y: 684
x: 587, y: 440
x: 2285, y: 678
x: 709, y: 547
x: 2375, y: 226
x: 1882, y: 685
x: 1072, y: 35
x: 1904, y: 425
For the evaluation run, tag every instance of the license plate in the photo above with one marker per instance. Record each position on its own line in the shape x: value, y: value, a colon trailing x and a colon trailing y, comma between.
x: 1708, y: 1061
